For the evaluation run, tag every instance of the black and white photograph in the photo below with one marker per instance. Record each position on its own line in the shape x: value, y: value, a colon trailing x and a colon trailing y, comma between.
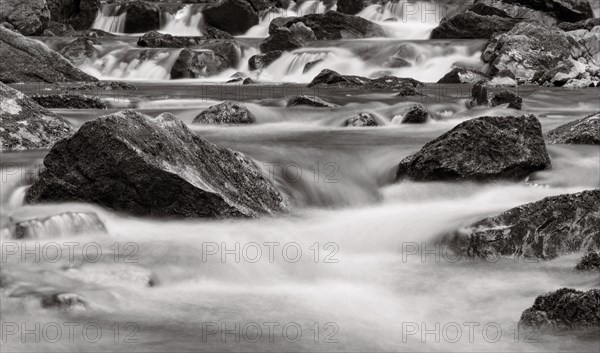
x: 300, y: 176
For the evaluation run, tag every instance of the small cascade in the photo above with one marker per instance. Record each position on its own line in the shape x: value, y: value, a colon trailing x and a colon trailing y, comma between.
x: 185, y: 22
x: 56, y: 226
x: 108, y: 20
x: 310, y: 7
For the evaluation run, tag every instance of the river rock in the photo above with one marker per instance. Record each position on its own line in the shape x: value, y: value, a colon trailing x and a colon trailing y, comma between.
x: 460, y: 75
x: 231, y: 16
x: 154, y: 39
x: 563, y: 10
x: 225, y: 113
x: 479, y: 94
x: 481, y: 149
x: 29, y: 17
x: 309, y: 101
x: 288, y: 38
x: 330, y: 78
x: 260, y: 61
x: 513, y: 100
x: 545, y: 229
x: 80, y: 50
x: 590, y: 262
x: 362, y: 120
x: 68, y: 101
x: 199, y: 63
x: 27, y: 60
x: 80, y: 14
x: 416, y: 115
x: 62, y: 300
x: 26, y: 125
x: 588, y: 25
x: 584, y: 131
x: 130, y: 162
x: 142, y: 16
x: 564, y: 309
x: 471, y: 25
x: 332, y: 25
x: 311, y: 64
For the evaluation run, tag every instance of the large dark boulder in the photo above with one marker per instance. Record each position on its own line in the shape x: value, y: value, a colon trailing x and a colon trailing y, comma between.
x: 228, y: 113
x: 471, y: 25
x: 416, y: 115
x: 330, y: 78
x: 564, y: 309
x: 80, y: 14
x: 260, y: 61
x: 513, y: 100
x: 80, y: 50
x: 27, y: 60
x: 26, y: 125
x: 68, y: 101
x: 563, y: 10
x: 481, y: 149
x: 332, y: 25
x: 584, y: 131
x: 350, y: 7
x: 231, y: 16
x: 142, y: 16
x: 288, y: 38
x: 362, y: 120
x: 545, y: 229
x: 29, y: 17
x: 207, y: 59
x: 154, y: 39
x: 311, y: 101
x: 130, y: 162
x: 460, y: 75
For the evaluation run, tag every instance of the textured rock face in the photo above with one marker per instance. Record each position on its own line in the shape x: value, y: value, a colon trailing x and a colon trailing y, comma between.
x: 231, y: 16
x: 460, y: 75
x: 471, y: 25
x: 545, y: 229
x: 260, y: 61
x: 191, y: 64
x: 284, y: 38
x: 27, y: 60
x: 537, y: 53
x: 590, y: 262
x: 141, y: 16
x: 563, y: 10
x: 68, y: 101
x: 481, y: 149
x: 362, y: 120
x: 416, y: 115
x: 584, y: 131
x: 25, y: 125
x: 225, y: 113
x: 479, y: 94
x: 29, y: 17
x: 330, y: 78
x: 309, y: 101
x: 350, y: 7
x: 332, y: 25
x: 78, y: 13
x: 153, y: 167
x: 564, y: 309
x: 507, y: 97
x: 80, y: 50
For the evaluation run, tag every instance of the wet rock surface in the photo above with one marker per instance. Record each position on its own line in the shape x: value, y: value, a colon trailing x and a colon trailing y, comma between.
x: 460, y: 75
x: 416, y: 115
x: 309, y: 101
x: 231, y: 16
x: 481, y: 149
x: 153, y: 167
x: 584, y: 131
x: 513, y: 100
x: 260, y: 61
x: 330, y: 78
x: 362, y: 120
x: 28, y: 17
x: 229, y: 113
x: 590, y: 262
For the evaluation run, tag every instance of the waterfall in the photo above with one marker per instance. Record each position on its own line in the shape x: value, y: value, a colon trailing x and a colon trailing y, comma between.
x: 108, y: 20
x: 56, y: 226
x: 186, y: 22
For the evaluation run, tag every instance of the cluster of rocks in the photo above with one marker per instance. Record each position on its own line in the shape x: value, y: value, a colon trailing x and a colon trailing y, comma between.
x: 404, y: 86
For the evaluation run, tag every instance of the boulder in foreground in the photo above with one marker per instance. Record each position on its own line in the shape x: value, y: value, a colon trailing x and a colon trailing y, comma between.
x: 545, y: 229
x: 27, y: 60
x: 584, y: 131
x: 25, y: 125
x: 130, y: 162
x: 564, y: 309
x: 482, y: 149
x: 225, y: 113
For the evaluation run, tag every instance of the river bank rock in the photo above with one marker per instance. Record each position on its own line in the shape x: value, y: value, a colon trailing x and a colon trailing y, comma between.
x: 29, y: 17
x: 562, y: 10
x: 588, y: 25
x: 362, y: 120
x: 471, y: 25
x: 590, y: 262
x: 288, y: 38
x: 225, y: 113
x: 416, y: 115
x: 537, y: 53
x: 481, y: 149
x: 130, y: 162
x: 513, y: 100
x: 80, y: 50
x: 232, y: 16
x: 25, y: 125
x: 80, y: 14
x: 260, y: 61
x: 564, y: 309
x: 311, y: 101
x: 584, y: 131
x: 27, y: 60
x: 330, y: 78
x: 68, y: 101
x: 545, y: 229
x: 460, y: 75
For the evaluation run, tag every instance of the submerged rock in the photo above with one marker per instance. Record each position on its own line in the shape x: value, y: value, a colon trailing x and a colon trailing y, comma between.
x: 130, y: 162
x: 584, y: 131
x: 330, y: 78
x: 479, y: 94
x: 460, y: 75
x: 27, y: 60
x: 309, y: 101
x: 416, y: 115
x: 362, y: 120
x: 564, y: 309
x: 62, y: 300
x: 225, y: 113
x: 231, y: 16
x: 260, y: 61
x: 545, y: 229
x: 68, y: 101
x: 513, y: 100
x: 481, y: 149
x: 80, y: 50
x: 26, y: 125
x: 29, y: 17
x: 589, y: 262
